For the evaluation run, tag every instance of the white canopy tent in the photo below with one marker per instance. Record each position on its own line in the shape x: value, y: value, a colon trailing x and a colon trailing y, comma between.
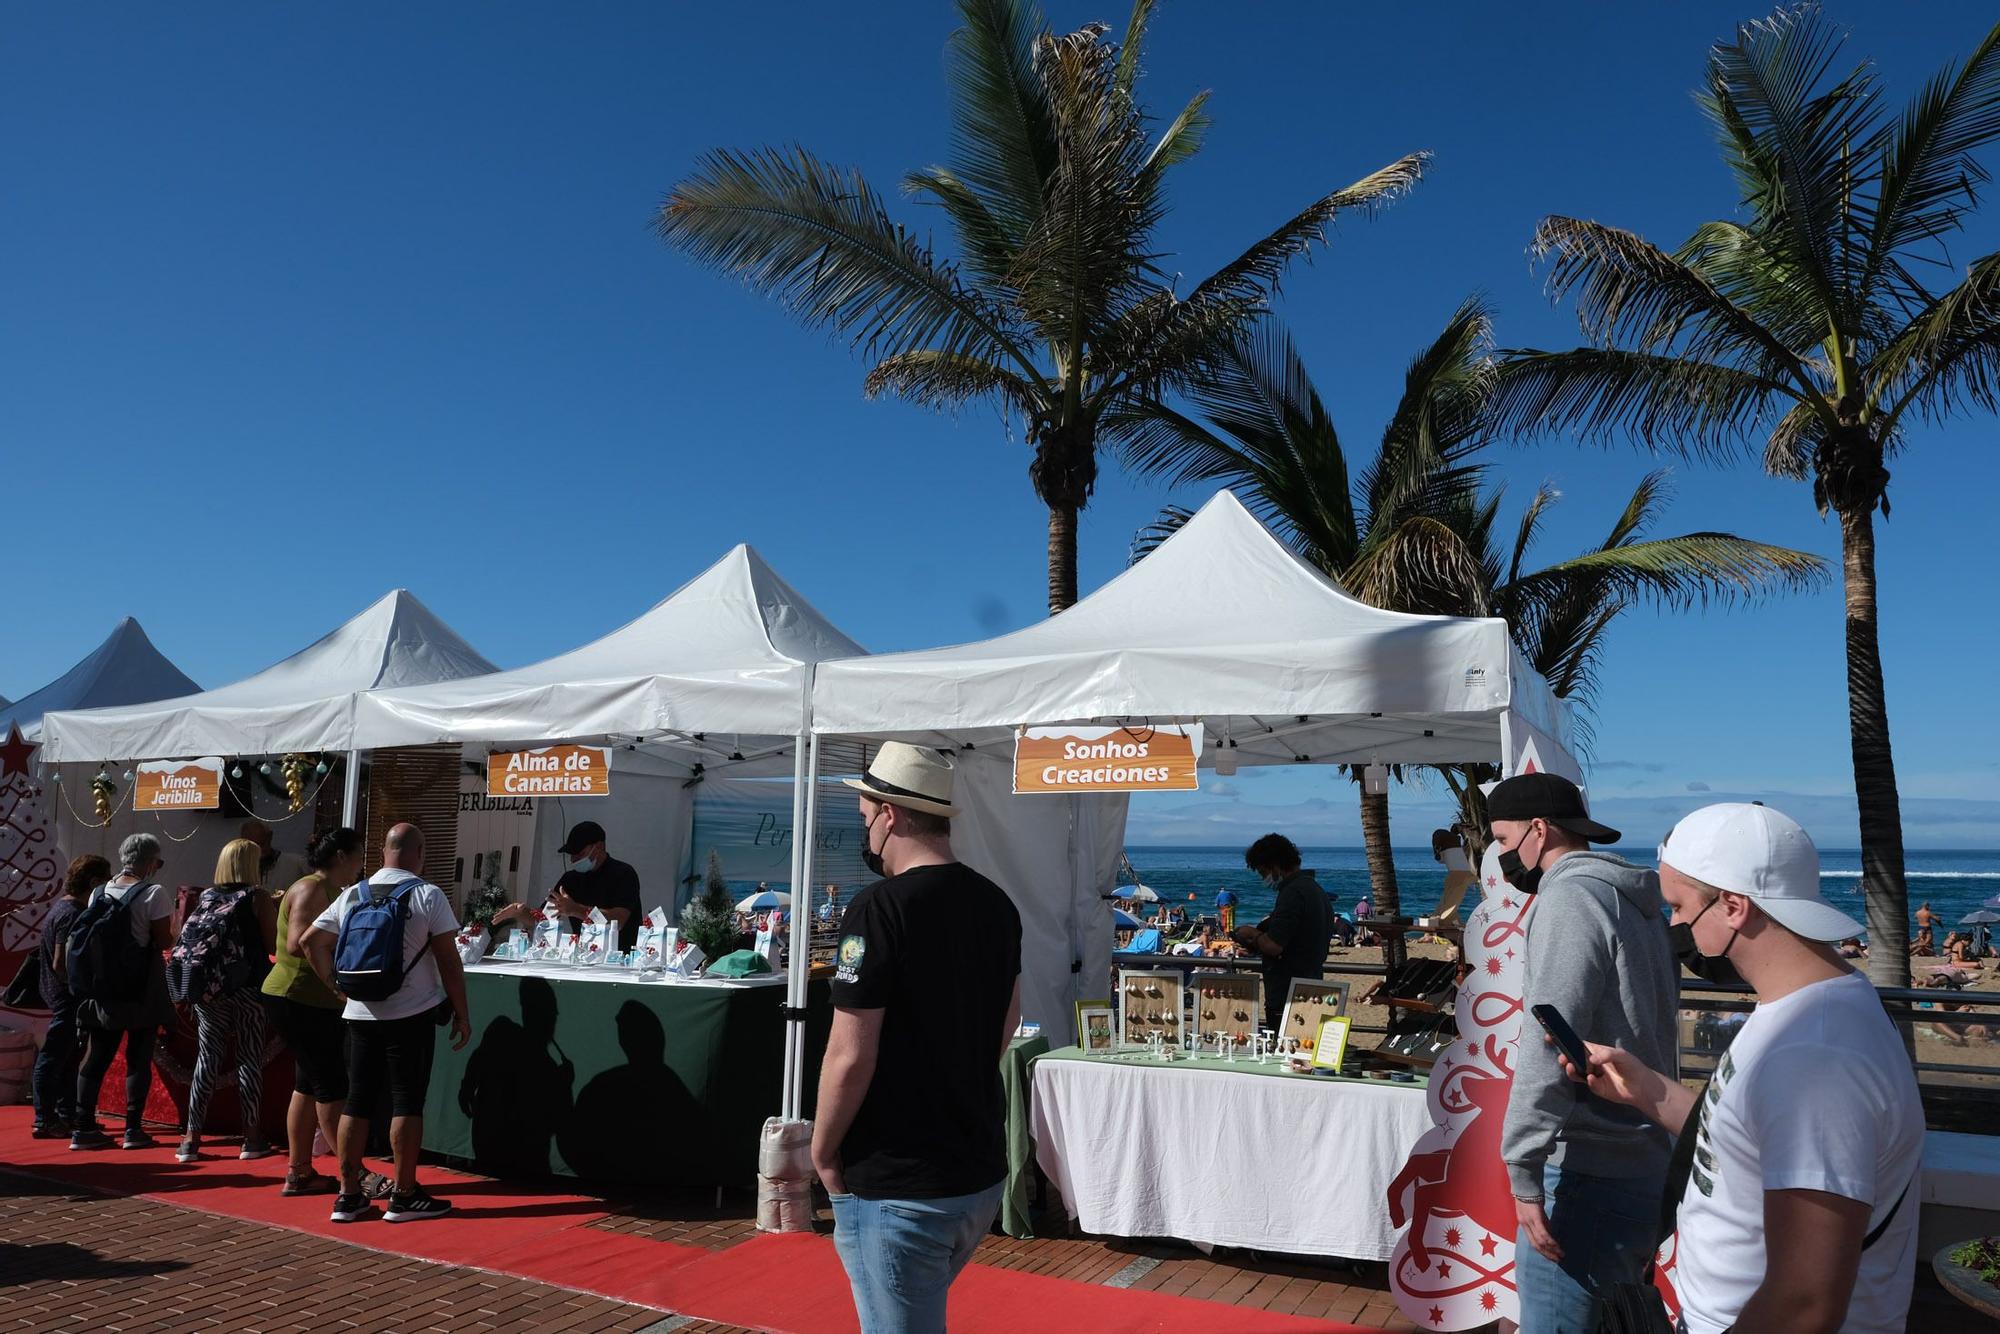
x: 715, y: 676
x: 124, y: 669
x: 1224, y: 625
x: 304, y: 703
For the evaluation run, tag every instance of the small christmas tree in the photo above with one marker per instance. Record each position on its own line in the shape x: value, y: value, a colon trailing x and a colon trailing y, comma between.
x: 490, y: 896
x: 705, y: 921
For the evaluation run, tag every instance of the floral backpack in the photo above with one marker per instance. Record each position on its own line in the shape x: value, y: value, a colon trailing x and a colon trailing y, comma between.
x: 213, y: 956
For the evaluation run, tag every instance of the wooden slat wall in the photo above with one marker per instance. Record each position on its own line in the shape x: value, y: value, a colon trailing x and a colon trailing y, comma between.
x: 417, y: 784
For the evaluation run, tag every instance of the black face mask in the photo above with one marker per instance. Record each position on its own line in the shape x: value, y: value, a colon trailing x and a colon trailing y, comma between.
x: 1525, y: 878
x: 871, y: 860
x: 1708, y: 967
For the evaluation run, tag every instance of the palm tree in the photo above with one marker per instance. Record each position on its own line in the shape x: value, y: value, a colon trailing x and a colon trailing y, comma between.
x: 1815, y: 324
x: 1056, y: 306
x: 1418, y: 530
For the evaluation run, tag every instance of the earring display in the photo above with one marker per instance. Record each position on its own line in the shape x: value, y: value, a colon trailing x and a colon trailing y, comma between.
x: 1150, y: 1004
x: 1231, y: 1003
x: 1310, y: 1003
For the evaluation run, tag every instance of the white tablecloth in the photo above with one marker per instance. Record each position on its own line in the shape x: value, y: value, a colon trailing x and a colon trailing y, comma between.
x: 571, y: 973
x: 1292, y: 1165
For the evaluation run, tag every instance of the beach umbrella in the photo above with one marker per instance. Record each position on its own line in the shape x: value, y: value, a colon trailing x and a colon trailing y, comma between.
x: 1124, y: 921
x: 1139, y: 892
x: 764, y: 899
x: 1979, y: 917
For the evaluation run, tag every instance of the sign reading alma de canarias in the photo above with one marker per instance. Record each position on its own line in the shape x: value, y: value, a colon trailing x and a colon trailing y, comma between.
x: 1107, y: 759
x: 178, y: 785
x: 551, y: 771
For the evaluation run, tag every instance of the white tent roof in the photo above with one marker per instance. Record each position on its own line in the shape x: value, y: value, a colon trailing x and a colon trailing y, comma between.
x: 726, y: 653
x: 124, y: 669
x: 305, y: 702
x: 1223, y: 624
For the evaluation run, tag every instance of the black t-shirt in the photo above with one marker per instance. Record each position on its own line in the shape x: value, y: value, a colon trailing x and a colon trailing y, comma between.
x: 1302, y: 922
x: 937, y: 948
x: 612, y: 885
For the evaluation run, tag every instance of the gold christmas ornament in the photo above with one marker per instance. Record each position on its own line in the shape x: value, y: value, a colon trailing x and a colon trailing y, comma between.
x: 102, y: 792
x: 297, y: 767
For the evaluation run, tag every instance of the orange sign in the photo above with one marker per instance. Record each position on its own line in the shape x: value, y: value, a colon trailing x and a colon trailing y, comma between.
x: 552, y: 771
x: 178, y: 785
x: 1107, y: 759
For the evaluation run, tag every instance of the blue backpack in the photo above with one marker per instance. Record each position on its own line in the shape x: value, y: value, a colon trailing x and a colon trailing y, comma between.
x: 368, y: 960
x: 100, y: 959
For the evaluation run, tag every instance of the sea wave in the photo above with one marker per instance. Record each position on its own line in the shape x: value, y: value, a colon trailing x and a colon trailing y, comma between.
x: 1918, y: 875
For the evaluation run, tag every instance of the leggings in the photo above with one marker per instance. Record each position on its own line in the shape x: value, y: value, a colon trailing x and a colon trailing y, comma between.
x: 237, y: 1018
x: 99, y: 1046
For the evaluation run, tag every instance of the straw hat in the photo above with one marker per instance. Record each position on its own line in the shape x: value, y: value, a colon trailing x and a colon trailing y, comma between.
x: 905, y: 775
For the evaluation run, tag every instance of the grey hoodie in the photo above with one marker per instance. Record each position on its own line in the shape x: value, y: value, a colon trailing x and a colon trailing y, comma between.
x: 1598, y: 951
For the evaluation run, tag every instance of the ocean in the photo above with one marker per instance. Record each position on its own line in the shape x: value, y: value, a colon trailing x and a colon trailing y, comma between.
x: 1954, y: 882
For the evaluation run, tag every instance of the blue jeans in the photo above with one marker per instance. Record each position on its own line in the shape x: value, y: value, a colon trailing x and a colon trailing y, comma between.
x: 55, y: 1066
x: 902, y: 1255
x: 1607, y: 1228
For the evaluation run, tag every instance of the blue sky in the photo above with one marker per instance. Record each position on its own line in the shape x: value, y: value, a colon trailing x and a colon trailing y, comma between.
x: 305, y: 302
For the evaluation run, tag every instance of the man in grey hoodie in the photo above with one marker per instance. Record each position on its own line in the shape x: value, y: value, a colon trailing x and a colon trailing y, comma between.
x: 1587, y: 1174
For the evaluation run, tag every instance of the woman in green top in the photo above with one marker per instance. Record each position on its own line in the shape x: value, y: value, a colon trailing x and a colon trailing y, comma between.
x: 307, y: 1012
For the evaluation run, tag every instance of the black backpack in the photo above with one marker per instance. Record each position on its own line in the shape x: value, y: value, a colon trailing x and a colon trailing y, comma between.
x: 103, y: 962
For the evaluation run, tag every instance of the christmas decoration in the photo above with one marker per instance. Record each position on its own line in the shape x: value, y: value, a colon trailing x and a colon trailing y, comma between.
x: 296, y: 768
x: 1454, y: 1267
x: 102, y: 793
x: 706, y: 919
x: 30, y: 862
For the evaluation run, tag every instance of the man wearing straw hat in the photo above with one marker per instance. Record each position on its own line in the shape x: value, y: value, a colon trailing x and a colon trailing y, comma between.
x: 909, y: 1135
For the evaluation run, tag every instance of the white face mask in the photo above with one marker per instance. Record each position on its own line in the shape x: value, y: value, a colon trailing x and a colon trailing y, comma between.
x: 583, y: 865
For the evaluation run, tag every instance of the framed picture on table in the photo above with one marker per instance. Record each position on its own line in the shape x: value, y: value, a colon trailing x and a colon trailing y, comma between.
x: 1096, y: 1026
x: 1330, y: 1049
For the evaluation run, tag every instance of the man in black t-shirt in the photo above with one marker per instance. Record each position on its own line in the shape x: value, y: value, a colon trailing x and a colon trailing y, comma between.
x: 595, y: 879
x: 1293, y: 939
x: 910, y: 1134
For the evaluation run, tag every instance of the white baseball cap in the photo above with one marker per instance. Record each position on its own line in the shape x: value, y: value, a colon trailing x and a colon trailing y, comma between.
x: 1761, y: 854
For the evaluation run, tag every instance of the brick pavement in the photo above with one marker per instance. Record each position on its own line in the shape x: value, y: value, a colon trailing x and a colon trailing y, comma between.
x: 73, y: 1261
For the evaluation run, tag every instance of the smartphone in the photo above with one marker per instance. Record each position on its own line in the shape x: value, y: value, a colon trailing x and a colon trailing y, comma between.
x: 1557, y: 1027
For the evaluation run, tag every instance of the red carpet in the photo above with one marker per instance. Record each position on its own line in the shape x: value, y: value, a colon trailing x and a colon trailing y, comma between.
x: 788, y: 1284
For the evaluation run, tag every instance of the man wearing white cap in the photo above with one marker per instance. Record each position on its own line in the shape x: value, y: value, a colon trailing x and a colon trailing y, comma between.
x: 909, y: 1136
x: 1811, y: 1133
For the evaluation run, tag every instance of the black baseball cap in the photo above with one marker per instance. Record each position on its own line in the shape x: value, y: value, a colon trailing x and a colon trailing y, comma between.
x: 1548, y: 797
x: 581, y: 835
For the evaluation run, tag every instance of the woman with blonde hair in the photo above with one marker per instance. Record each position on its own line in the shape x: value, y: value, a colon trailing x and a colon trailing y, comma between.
x: 230, y: 1012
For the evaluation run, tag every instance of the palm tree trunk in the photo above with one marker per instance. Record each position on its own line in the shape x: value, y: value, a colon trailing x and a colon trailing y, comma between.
x: 1885, y: 890
x: 1381, y: 868
x: 1062, y: 557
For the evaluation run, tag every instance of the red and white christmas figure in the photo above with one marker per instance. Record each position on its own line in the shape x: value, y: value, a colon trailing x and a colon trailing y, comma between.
x: 30, y: 862
x: 1453, y: 1269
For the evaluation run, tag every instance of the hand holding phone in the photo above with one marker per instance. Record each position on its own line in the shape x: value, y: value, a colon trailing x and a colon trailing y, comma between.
x: 1557, y: 1027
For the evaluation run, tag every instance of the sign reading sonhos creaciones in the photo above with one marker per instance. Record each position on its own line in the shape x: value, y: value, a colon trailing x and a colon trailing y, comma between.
x: 552, y: 771
x: 178, y: 785
x: 1107, y: 759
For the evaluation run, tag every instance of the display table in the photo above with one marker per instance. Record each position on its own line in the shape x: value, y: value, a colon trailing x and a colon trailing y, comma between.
x: 1014, y: 1082
x: 593, y: 1073
x: 1225, y: 1154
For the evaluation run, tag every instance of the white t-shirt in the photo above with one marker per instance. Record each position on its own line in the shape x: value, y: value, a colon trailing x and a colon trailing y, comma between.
x: 1815, y: 1093
x: 430, y: 915
x: 152, y: 902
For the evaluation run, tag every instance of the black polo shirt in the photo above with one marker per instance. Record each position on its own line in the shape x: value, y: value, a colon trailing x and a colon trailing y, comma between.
x: 1302, y: 922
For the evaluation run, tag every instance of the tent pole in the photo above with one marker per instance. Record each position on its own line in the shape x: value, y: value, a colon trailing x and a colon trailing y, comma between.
x: 801, y: 911
x: 350, y: 789
x: 789, y: 1097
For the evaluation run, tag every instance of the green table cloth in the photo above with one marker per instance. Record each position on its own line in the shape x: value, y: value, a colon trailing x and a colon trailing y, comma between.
x: 633, y: 1082
x: 1021, y: 1054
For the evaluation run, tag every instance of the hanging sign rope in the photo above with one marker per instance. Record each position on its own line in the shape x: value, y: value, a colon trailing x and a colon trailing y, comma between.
x: 1068, y: 759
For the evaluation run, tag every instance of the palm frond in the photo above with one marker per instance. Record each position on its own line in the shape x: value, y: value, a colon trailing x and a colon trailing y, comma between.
x: 1128, y: 50
x: 946, y: 380
x: 1531, y: 521
x: 1694, y: 569
x: 1147, y: 540
x: 1420, y: 564
x: 1666, y: 402
x: 1254, y: 274
x: 989, y: 248
x: 1439, y: 420
x: 1949, y: 355
x: 818, y: 241
x: 1629, y: 291
x: 1003, y: 137
x: 1182, y: 138
x: 1930, y: 171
